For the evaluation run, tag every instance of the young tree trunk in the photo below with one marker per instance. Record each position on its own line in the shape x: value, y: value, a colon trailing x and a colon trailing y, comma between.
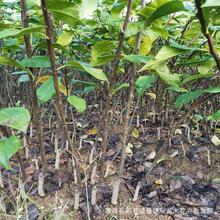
x: 133, y: 73
x: 35, y: 106
x: 106, y: 116
x: 59, y: 104
x: 124, y: 137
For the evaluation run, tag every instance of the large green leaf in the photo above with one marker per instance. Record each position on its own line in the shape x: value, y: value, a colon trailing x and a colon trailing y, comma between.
x: 97, y: 73
x: 164, y: 54
x: 143, y: 83
x: 10, y: 62
x: 133, y: 28
x: 77, y: 102
x: 190, y: 96
x: 165, y: 9
x: 8, y: 147
x: 102, y: 52
x: 15, y: 117
x: 17, y: 33
x: 65, y: 38
x: 36, y: 61
x: 47, y: 91
x: 163, y: 72
x: 65, y: 11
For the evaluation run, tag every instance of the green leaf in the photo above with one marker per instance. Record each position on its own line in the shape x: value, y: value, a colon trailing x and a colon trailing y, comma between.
x: 164, y: 54
x: 176, y: 88
x: 168, y: 52
x: 46, y: 91
x: 66, y: 11
x: 195, y: 61
x: 196, y: 77
x: 211, y: 3
x: 165, y: 9
x: 36, y: 61
x: 65, y: 38
x: 215, y: 116
x: 8, y: 147
x: 18, y: 33
x: 10, y: 62
x: 184, y: 47
x: 163, y: 72
x: 190, y: 96
x: 212, y: 90
x: 102, y: 52
x: 119, y: 87
x: 143, y: 83
x: 77, y: 102
x: 133, y: 28
x: 137, y: 58
x: 96, y: 73
x: 15, y: 117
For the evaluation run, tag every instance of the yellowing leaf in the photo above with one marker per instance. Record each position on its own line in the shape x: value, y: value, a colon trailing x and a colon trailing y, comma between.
x: 92, y: 131
x: 135, y: 133
x: 65, y: 39
x: 131, y: 41
x: 42, y: 79
x: 152, y: 95
x: 63, y: 89
x: 159, y: 182
x: 146, y: 45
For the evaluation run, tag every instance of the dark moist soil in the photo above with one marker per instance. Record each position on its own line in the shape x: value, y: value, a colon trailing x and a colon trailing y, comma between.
x: 176, y: 181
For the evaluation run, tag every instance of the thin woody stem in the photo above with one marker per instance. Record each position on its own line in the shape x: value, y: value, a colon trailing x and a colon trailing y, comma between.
x: 106, y: 116
x: 36, y: 108
x: 59, y: 104
x: 206, y: 33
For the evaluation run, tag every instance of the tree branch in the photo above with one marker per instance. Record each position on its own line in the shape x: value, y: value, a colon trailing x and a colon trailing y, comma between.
x: 206, y: 33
